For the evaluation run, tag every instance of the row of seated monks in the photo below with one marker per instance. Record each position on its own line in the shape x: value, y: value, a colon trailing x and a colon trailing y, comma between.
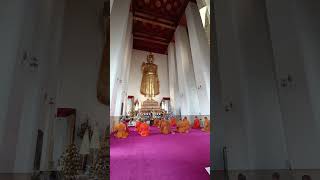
x: 121, y: 130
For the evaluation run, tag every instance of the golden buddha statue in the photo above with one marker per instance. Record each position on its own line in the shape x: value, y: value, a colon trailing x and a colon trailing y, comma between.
x: 150, y: 81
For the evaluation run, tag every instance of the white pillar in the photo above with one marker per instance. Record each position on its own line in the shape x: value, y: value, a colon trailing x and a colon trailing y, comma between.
x: 122, y: 88
x: 186, y: 79
x: 200, y: 56
x: 173, y: 82
x: 111, y: 3
x: 118, y: 29
x: 127, y: 73
x: 17, y: 25
x: 12, y: 20
x: 293, y: 29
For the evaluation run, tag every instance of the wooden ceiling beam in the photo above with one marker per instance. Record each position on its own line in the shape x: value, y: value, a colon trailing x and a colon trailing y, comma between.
x: 148, y: 16
x: 154, y: 23
x: 150, y: 40
x: 138, y: 34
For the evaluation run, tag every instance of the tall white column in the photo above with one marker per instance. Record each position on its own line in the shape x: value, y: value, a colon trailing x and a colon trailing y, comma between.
x: 12, y: 19
x: 200, y: 56
x: 293, y: 30
x: 118, y: 29
x: 111, y: 3
x: 186, y: 78
x: 122, y: 88
x: 173, y: 83
x: 127, y: 73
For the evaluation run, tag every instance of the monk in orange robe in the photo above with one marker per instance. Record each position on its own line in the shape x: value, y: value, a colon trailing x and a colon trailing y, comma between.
x: 206, y: 127
x: 156, y: 122
x: 144, y: 129
x: 159, y: 123
x: 179, y: 125
x: 186, y: 124
x: 120, y: 131
x: 173, y: 122
x: 138, y: 123
x: 183, y: 126
x: 165, y: 127
x: 196, y: 123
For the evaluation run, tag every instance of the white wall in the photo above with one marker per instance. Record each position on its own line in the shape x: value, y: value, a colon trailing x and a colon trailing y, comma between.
x: 11, y: 25
x: 253, y: 129
x: 80, y: 61
x: 118, y: 42
x: 138, y: 57
x: 270, y: 126
x: 124, y: 61
x: 200, y: 52
x: 185, y: 72
x: 293, y: 27
x: 35, y: 25
x: 173, y: 80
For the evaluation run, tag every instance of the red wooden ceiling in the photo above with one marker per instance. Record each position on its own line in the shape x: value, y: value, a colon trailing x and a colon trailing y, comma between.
x: 154, y: 23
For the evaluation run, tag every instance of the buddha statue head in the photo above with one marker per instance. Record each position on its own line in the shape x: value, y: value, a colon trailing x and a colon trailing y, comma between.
x: 150, y: 58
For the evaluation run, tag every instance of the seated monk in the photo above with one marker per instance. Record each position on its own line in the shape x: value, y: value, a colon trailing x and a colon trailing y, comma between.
x: 183, y: 126
x: 144, y: 129
x: 138, y: 123
x: 173, y: 122
x: 186, y: 124
x: 120, y: 130
x: 159, y: 123
x: 156, y: 122
x: 206, y: 127
x: 165, y: 127
x: 196, y: 123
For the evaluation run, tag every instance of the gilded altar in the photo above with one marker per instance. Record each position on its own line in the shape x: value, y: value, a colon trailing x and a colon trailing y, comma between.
x: 150, y: 105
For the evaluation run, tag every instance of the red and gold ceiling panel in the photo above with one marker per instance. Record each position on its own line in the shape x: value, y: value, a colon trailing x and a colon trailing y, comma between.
x: 154, y: 23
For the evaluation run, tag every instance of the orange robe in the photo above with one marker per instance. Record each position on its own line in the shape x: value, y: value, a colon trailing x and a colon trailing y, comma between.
x: 196, y: 124
x: 138, y: 126
x: 159, y: 123
x: 173, y: 122
x: 206, y: 127
x: 156, y: 122
x: 144, y: 129
x: 165, y: 127
x: 186, y: 125
x: 183, y: 126
x: 120, y: 131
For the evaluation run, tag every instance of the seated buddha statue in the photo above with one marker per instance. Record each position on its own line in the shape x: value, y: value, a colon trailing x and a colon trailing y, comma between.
x: 144, y: 129
x: 196, y: 123
x: 120, y: 130
x: 173, y: 121
x: 206, y: 127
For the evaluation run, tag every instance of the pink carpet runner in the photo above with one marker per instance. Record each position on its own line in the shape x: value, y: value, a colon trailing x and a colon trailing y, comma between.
x: 160, y: 157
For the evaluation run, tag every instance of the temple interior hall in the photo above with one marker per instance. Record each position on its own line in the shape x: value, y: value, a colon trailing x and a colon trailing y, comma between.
x: 159, y: 89
x: 119, y: 89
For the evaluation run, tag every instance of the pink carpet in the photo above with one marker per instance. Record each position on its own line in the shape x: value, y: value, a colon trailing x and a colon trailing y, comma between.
x: 160, y: 157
